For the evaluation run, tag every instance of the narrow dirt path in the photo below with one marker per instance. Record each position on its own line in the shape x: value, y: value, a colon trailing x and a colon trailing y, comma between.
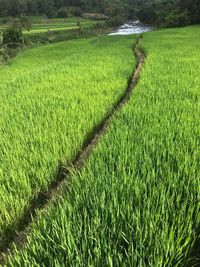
x: 17, y: 237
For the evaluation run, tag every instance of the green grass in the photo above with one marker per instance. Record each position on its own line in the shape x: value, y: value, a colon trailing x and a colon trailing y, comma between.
x: 52, y: 97
x: 42, y: 25
x: 46, y: 29
x: 58, y: 27
x: 136, y: 203
x: 43, y: 20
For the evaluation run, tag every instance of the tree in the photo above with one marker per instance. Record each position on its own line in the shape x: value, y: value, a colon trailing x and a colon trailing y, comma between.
x: 46, y: 7
x: 163, y: 13
x: 63, y: 12
x: 170, y: 13
x: 176, y: 18
x: 13, y: 37
x: 31, y: 7
x: 25, y: 22
x: 147, y: 13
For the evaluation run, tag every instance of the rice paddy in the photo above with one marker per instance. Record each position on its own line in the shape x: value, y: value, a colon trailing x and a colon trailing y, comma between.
x: 52, y: 98
x: 136, y: 202
x: 59, y: 27
x: 51, y: 25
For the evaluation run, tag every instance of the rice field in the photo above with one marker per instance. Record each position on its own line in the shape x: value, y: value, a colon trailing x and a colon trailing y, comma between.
x: 39, y: 28
x: 136, y: 202
x: 52, y: 98
x: 45, y: 25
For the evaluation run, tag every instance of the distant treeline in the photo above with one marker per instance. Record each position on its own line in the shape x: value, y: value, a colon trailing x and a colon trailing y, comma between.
x: 170, y: 13
x: 163, y: 13
x: 59, y: 8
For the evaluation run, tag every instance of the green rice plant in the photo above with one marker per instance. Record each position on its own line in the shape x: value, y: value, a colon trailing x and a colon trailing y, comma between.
x: 47, y: 29
x: 41, y: 25
x: 136, y: 202
x: 58, y: 27
x: 52, y: 98
x: 43, y: 20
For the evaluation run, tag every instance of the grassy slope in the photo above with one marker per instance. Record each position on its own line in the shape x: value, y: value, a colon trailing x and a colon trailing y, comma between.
x: 137, y: 201
x: 52, y: 97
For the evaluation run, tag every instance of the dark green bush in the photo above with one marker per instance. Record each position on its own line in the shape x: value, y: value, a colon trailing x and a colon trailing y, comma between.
x: 75, y: 11
x: 3, y: 50
x: 13, y: 38
x: 25, y: 22
x: 63, y: 12
x: 176, y: 19
x: 3, y: 54
x: 115, y: 21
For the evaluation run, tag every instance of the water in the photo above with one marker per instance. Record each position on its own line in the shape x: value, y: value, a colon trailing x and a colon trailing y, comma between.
x: 132, y: 27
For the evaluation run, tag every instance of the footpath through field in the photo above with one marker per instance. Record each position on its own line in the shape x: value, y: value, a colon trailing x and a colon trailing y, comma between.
x: 136, y: 201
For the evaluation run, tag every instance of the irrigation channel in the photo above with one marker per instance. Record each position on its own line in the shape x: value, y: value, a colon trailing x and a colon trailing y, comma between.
x: 17, y: 237
x: 132, y: 27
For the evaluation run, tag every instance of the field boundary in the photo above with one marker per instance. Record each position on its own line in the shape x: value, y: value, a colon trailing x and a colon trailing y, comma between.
x: 16, y: 236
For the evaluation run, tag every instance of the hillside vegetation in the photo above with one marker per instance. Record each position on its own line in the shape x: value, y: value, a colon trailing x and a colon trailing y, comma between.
x: 163, y: 13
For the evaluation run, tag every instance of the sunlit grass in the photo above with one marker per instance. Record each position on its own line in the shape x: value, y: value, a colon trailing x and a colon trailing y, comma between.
x: 136, y: 203
x: 58, y: 27
x: 51, y: 98
x: 42, y: 25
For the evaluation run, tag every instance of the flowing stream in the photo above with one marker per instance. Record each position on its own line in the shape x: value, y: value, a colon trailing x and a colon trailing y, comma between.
x: 132, y: 27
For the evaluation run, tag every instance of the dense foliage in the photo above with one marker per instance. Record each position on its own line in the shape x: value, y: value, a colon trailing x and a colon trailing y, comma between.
x: 3, y: 50
x: 53, y: 8
x: 163, y: 13
x: 13, y: 37
x: 168, y: 13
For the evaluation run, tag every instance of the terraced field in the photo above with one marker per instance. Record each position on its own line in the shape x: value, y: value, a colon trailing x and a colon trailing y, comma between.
x: 41, y: 25
x: 52, y: 98
x: 41, y: 28
x: 136, y: 201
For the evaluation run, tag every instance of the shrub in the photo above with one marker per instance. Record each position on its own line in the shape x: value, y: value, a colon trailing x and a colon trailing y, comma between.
x: 116, y: 21
x: 3, y: 54
x: 3, y: 50
x: 26, y: 22
x: 13, y: 38
x: 176, y: 19
x: 75, y: 11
